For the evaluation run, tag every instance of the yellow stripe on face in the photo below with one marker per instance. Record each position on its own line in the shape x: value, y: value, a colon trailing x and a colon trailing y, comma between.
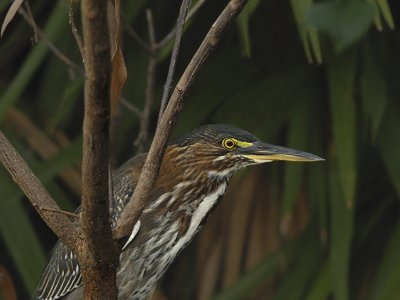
x: 242, y: 144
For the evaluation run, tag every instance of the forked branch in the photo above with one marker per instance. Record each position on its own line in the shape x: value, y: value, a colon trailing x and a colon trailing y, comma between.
x: 149, y: 174
x: 36, y: 193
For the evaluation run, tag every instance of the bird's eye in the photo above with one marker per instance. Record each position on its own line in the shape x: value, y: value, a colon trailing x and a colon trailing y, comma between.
x: 228, y: 144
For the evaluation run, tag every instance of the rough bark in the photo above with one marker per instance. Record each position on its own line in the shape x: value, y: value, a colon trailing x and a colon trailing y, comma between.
x: 97, y: 254
x: 36, y: 193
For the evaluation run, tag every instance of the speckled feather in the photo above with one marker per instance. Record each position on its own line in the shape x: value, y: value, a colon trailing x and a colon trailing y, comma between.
x: 61, y: 274
x: 192, y: 178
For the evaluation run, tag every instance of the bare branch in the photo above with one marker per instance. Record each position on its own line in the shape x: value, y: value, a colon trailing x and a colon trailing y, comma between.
x: 37, y: 194
x: 131, y: 107
x: 75, y: 33
x: 133, y: 34
x: 31, y: 21
x: 174, y: 56
x: 171, y: 34
x: 30, y: 17
x: 143, y: 136
x: 149, y: 174
x: 98, y: 256
x: 60, y: 211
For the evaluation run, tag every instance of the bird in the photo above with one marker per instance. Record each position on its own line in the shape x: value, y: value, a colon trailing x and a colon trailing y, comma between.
x: 194, y: 175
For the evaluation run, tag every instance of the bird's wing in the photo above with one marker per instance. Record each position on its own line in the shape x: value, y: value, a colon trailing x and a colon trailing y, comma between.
x: 62, y: 274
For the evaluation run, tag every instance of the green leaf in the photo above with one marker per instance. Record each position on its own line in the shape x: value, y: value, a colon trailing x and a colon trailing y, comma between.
x: 373, y: 91
x: 302, y: 268
x: 298, y: 14
x: 251, y: 279
x: 257, y: 275
x: 33, y: 61
x: 298, y: 138
x: 315, y: 44
x: 132, y: 9
x: 386, y: 285
x: 346, y: 22
x: 386, y: 13
x: 242, y: 22
x: 67, y: 157
x: 389, y: 144
x: 317, y: 179
x: 341, y: 74
x: 3, y: 5
x: 377, y: 17
x: 321, y: 288
x: 309, y: 36
x: 20, y: 238
x: 49, y: 169
x: 341, y: 236
x: 66, y: 104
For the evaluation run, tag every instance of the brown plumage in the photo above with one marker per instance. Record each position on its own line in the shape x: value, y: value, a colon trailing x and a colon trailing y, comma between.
x: 194, y: 174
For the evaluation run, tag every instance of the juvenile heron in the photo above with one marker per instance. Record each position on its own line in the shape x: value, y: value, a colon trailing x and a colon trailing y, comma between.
x: 194, y: 174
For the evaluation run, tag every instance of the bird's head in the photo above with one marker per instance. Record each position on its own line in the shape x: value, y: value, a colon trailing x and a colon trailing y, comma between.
x: 220, y: 150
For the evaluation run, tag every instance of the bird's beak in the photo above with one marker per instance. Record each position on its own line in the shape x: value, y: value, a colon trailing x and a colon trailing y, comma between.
x: 261, y: 152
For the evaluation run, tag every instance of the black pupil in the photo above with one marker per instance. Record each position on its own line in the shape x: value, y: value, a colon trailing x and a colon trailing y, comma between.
x: 229, y: 144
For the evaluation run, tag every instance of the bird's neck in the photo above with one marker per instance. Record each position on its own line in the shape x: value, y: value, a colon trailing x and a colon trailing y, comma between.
x: 186, y: 181
x: 191, y: 170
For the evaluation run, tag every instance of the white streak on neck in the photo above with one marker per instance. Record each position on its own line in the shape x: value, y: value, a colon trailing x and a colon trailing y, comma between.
x: 221, y: 174
x: 198, y: 215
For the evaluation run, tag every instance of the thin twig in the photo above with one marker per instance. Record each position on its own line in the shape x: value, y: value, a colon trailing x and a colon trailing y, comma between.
x: 196, y: 7
x: 131, y: 107
x: 30, y: 17
x: 142, y: 139
x: 75, y: 32
x: 174, y: 56
x: 36, y: 193
x: 31, y: 21
x: 134, y: 208
x: 133, y: 34
x: 60, y: 211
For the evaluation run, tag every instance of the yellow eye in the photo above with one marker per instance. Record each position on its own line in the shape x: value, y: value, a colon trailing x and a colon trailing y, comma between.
x: 229, y: 143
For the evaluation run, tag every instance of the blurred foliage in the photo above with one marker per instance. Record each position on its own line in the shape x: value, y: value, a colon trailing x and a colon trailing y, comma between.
x: 284, y: 231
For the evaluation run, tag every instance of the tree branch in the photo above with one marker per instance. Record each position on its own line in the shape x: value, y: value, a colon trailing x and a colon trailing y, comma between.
x: 149, y: 174
x: 133, y: 34
x: 131, y: 107
x: 75, y: 33
x: 142, y: 139
x: 171, y: 34
x: 63, y: 212
x: 98, y: 256
x: 27, y: 15
x: 36, y: 193
x: 174, y: 56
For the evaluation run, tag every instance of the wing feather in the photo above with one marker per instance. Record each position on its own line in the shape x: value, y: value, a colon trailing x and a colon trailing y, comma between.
x: 59, y: 276
x: 62, y: 274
